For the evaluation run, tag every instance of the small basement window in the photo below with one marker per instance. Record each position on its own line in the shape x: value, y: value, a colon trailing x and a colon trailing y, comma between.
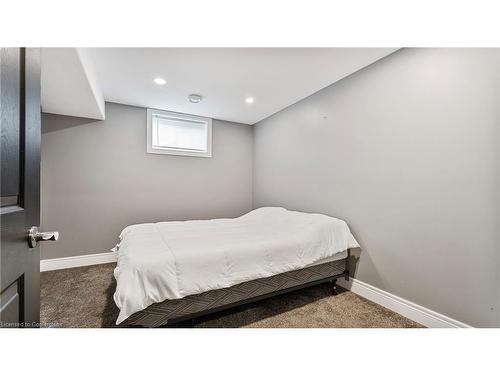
x: 178, y: 134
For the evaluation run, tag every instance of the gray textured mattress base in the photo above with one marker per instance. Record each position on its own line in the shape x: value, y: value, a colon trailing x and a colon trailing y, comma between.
x: 189, y: 307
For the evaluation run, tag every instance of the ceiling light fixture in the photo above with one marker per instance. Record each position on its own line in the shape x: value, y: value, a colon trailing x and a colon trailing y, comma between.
x: 195, y: 98
x: 249, y: 100
x: 159, y: 81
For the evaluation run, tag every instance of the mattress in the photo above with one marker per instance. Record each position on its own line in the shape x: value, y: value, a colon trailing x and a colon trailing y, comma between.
x: 171, y: 260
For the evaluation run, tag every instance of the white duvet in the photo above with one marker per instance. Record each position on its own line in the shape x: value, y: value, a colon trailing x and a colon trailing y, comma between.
x: 169, y: 260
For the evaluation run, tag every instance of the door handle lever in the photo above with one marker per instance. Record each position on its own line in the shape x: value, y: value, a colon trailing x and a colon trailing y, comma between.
x: 34, y: 236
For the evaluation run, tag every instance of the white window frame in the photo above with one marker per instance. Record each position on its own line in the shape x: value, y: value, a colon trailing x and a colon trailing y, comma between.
x: 176, y: 151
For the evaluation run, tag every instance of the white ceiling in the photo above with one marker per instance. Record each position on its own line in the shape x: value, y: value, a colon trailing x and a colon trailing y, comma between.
x: 274, y: 77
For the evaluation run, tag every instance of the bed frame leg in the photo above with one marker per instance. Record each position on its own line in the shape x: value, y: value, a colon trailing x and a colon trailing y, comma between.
x: 347, y: 265
x: 333, y: 287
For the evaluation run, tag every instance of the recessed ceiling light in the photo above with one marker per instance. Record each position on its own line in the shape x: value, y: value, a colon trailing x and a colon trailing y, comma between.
x: 159, y: 81
x: 195, y: 98
x: 249, y: 100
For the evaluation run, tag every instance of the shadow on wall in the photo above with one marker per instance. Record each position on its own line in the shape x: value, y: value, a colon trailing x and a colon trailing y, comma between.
x: 368, y: 263
x: 52, y: 122
x: 353, y: 261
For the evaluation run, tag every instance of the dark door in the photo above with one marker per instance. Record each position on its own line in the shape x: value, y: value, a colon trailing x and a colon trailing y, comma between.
x: 20, y: 186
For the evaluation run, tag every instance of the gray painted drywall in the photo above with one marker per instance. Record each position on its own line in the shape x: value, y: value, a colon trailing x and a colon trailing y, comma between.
x: 97, y: 178
x: 407, y: 152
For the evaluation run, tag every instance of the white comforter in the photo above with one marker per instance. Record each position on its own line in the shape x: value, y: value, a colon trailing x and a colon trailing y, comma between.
x: 170, y: 260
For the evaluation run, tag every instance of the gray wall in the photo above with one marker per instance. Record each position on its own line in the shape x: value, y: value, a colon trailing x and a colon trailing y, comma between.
x: 407, y: 151
x: 97, y: 178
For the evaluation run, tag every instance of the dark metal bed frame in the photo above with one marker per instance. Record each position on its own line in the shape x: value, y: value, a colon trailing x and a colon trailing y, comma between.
x: 172, y: 312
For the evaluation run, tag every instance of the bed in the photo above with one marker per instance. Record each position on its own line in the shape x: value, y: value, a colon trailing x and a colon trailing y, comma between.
x: 168, y: 272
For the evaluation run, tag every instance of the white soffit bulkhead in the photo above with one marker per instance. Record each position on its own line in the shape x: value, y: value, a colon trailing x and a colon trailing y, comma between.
x: 69, y: 85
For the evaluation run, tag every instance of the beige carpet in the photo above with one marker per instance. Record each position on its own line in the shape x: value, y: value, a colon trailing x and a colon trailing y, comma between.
x: 83, y: 297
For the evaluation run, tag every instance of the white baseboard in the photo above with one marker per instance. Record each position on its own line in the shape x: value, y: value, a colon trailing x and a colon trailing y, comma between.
x: 410, y: 310
x: 77, y: 261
